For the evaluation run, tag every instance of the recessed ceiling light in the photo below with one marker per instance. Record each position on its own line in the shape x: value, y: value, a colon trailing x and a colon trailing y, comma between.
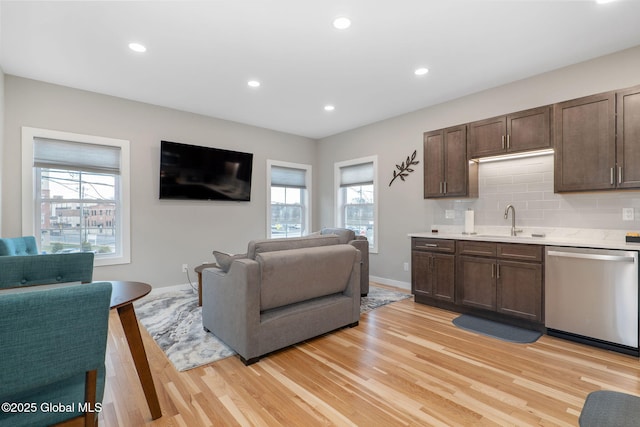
x: 253, y: 83
x: 329, y: 108
x: 421, y: 71
x: 341, y: 23
x: 137, y: 47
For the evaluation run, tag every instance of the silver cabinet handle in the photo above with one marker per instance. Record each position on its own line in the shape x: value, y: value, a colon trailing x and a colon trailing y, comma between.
x: 619, y: 174
x: 498, y: 271
x: 493, y: 270
x: 508, y: 141
x: 445, y: 187
x: 503, y: 142
x: 428, y: 245
x: 440, y: 190
x: 612, y: 176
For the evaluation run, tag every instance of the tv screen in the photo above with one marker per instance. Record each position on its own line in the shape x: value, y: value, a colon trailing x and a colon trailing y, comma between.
x: 204, y: 173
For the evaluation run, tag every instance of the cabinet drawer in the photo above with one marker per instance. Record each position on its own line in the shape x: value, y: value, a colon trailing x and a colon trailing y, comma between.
x: 433, y: 245
x: 520, y: 252
x: 468, y: 247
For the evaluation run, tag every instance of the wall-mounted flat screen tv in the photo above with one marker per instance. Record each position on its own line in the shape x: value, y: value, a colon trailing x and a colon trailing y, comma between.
x: 204, y: 173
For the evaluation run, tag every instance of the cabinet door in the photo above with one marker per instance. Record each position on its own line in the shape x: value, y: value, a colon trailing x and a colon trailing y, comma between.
x: 487, y: 137
x: 519, y: 289
x: 477, y: 282
x: 585, y: 143
x: 529, y: 130
x: 455, y: 161
x: 433, y: 164
x: 443, y: 277
x: 421, y: 273
x: 628, y: 138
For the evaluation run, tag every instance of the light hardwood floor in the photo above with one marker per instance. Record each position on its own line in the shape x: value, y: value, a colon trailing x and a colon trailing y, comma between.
x: 405, y: 364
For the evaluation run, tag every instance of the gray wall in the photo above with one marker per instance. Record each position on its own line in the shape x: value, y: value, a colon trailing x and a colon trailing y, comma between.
x: 402, y: 207
x: 165, y: 234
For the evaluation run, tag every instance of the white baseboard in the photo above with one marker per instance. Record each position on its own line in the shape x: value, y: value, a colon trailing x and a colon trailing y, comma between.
x: 389, y: 282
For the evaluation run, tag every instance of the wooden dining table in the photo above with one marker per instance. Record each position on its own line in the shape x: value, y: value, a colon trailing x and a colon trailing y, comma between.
x: 123, y: 294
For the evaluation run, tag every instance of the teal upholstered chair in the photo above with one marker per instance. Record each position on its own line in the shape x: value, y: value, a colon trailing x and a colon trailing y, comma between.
x: 52, y: 352
x: 18, y: 246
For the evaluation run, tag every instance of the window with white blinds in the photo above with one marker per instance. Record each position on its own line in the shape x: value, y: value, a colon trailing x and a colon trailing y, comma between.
x: 78, y: 186
x: 70, y: 155
x: 356, y: 198
x: 288, y: 199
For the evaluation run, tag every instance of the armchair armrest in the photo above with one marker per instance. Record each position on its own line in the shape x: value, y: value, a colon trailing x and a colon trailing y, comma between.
x: 231, y: 303
x: 362, y: 244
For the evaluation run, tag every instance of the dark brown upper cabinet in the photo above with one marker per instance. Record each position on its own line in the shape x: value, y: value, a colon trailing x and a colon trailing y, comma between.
x: 447, y: 173
x: 522, y: 131
x: 585, y: 143
x: 628, y: 138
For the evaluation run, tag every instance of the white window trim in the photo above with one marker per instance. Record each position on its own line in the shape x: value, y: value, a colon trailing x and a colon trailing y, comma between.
x: 338, y: 216
x: 308, y: 174
x: 29, y: 185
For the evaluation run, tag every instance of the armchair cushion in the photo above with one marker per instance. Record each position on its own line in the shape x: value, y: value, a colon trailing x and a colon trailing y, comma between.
x: 359, y: 242
x: 298, y: 275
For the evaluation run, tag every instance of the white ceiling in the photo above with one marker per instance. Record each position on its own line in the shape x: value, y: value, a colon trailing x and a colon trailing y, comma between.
x: 201, y: 54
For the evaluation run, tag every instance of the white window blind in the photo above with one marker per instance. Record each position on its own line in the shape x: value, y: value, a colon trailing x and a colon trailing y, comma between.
x: 360, y: 174
x: 288, y: 177
x: 69, y: 155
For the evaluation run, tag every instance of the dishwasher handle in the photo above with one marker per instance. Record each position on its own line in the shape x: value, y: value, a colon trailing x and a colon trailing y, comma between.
x: 600, y: 257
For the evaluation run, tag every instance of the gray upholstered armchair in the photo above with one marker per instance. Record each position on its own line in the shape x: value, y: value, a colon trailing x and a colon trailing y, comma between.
x: 362, y: 244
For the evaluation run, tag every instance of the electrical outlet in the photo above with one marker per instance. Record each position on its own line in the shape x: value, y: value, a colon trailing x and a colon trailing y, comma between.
x: 406, y: 266
x: 185, y: 267
x: 627, y: 214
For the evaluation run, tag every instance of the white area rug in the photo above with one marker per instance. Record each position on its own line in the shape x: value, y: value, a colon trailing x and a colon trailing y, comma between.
x: 174, y: 320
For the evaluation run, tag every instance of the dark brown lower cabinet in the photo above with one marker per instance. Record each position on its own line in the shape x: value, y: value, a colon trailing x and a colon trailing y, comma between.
x: 433, y: 275
x: 496, y: 282
x: 519, y: 289
x: 502, y: 279
x: 478, y: 282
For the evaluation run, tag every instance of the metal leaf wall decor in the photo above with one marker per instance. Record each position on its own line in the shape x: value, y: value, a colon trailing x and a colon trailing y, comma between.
x: 404, y: 168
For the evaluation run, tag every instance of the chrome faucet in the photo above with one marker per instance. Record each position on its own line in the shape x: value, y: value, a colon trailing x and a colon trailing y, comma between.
x: 513, y: 219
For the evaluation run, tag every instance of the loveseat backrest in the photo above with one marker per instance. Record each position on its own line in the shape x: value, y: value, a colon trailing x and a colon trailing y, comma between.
x: 296, y: 275
x: 256, y: 247
x: 28, y: 270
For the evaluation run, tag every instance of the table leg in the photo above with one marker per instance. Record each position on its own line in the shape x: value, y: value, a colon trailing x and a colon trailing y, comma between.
x: 199, y: 288
x: 132, y: 332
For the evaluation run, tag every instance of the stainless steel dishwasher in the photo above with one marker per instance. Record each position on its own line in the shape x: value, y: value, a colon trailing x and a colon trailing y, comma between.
x: 591, y: 296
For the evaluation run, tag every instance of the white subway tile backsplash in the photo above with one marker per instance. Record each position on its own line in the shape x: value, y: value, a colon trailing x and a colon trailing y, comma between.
x: 528, y: 185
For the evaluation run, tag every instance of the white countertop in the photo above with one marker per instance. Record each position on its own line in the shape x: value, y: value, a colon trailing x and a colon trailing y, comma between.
x: 583, y: 238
